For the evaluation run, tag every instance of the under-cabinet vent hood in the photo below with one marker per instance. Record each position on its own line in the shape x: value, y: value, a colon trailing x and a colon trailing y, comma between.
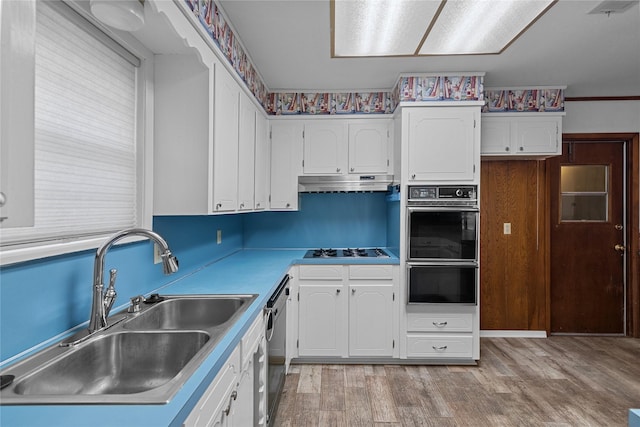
x: 344, y: 183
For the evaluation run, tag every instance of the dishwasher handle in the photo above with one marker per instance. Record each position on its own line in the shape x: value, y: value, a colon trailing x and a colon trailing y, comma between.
x: 269, y: 332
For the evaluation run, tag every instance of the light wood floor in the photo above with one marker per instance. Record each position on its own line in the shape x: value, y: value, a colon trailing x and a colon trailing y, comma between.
x: 557, y: 381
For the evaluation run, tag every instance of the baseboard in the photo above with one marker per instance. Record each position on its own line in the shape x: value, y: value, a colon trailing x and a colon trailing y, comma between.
x: 513, y: 334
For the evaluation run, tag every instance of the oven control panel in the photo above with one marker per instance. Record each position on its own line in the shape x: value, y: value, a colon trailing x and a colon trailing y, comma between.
x: 442, y: 192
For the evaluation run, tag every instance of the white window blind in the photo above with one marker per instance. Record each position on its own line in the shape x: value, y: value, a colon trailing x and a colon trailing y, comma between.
x: 85, y: 133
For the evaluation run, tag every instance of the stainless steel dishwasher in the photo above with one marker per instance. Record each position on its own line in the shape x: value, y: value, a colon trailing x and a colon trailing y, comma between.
x: 276, y: 331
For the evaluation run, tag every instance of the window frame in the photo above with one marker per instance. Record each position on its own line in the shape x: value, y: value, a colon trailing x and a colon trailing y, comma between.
x: 144, y: 158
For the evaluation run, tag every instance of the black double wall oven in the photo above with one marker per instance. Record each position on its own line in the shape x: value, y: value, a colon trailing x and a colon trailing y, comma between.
x: 442, y: 244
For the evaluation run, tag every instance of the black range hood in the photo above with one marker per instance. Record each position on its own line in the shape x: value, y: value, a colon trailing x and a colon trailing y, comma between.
x: 344, y: 183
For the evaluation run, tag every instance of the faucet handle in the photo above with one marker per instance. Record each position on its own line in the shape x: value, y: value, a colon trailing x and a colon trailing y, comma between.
x: 135, y: 304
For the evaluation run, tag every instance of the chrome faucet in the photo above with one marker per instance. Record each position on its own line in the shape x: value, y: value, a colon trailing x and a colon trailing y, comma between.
x: 102, y: 301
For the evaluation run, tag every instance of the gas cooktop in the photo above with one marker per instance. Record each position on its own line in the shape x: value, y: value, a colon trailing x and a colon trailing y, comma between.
x: 346, y: 253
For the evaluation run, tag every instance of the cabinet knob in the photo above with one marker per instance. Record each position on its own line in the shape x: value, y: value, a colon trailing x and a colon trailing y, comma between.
x: 337, y: 169
x: 288, y: 205
x: 506, y: 148
x: 353, y: 291
x: 337, y: 291
x: 218, y: 206
x: 257, y: 205
x: 413, y: 176
x: 352, y: 169
x: 3, y: 199
x: 241, y: 205
x: 521, y: 148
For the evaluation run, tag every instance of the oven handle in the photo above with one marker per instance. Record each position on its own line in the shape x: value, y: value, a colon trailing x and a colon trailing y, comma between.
x: 411, y: 209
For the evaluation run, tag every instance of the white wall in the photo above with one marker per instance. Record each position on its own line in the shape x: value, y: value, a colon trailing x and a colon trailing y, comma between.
x: 601, y: 117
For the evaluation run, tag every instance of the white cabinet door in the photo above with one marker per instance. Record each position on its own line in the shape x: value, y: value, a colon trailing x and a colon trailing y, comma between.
x: 17, y: 141
x: 527, y: 136
x: 322, y: 327
x: 443, y: 142
x: 325, y: 148
x: 215, y: 407
x: 243, y: 407
x: 246, y: 153
x: 225, y: 142
x: 537, y: 135
x: 369, y: 147
x: 496, y: 136
x: 183, y: 138
x: 286, y: 158
x: 262, y: 164
x: 371, y: 320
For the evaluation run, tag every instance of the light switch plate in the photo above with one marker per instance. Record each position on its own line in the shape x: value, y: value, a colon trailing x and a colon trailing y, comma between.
x: 506, y: 228
x: 157, y: 259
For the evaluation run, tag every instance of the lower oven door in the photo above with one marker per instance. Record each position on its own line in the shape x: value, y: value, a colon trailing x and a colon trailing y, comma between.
x: 442, y: 284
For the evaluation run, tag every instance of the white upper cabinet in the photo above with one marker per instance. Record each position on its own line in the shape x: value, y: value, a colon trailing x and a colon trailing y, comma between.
x: 286, y: 158
x: 443, y: 143
x: 346, y: 146
x: 325, y: 148
x: 17, y: 74
x: 246, y: 153
x: 183, y: 142
x: 369, y: 147
x: 524, y: 136
x: 225, y: 141
x: 262, y: 163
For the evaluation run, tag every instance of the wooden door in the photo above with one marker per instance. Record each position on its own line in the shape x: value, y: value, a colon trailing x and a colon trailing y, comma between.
x: 587, y: 238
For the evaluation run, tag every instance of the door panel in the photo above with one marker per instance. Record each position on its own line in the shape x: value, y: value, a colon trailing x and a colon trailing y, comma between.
x: 587, y: 222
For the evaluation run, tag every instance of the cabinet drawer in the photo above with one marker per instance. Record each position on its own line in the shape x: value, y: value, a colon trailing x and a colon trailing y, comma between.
x: 435, y: 322
x: 321, y: 272
x: 252, y: 339
x: 436, y: 346
x: 371, y: 272
x: 216, y: 395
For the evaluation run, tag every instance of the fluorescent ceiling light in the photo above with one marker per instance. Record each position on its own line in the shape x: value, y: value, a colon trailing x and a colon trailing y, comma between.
x: 430, y: 27
x: 380, y: 27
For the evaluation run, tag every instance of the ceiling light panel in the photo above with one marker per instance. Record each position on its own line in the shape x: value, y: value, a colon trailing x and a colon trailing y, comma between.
x: 381, y: 27
x: 480, y: 26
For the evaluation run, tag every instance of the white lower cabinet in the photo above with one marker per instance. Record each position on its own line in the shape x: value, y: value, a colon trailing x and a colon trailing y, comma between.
x: 237, y: 395
x: 442, y: 332
x: 346, y: 311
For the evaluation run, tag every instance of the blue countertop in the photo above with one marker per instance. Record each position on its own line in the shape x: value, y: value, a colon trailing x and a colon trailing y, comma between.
x: 634, y: 417
x: 244, y: 272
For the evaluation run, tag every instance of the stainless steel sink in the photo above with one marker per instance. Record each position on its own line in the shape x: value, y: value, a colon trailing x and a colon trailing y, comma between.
x: 188, y: 313
x: 119, y: 363
x: 144, y: 358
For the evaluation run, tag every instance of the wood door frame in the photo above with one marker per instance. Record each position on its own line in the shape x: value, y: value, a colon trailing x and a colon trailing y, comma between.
x: 632, y: 177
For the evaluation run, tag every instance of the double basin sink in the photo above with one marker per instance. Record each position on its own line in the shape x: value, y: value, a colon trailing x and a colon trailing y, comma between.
x: 144, y: 358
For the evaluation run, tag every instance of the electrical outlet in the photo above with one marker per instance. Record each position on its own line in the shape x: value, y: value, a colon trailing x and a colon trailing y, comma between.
x: 157, y: 259
x: 506, y: 228
x: 219, y: 237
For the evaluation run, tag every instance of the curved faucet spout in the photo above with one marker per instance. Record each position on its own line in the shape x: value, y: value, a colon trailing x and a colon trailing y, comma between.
x: 99, y: 312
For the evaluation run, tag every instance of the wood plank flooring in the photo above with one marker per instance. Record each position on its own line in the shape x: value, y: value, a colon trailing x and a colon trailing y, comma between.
x: 556, y: 381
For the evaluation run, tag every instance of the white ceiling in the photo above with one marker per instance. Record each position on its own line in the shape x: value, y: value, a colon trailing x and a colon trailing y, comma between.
x: 289, y: 42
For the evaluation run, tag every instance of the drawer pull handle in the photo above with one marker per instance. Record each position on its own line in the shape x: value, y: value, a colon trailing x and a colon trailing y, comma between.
x: 439, y: 324
x: 440, y: 348
x: 234, y: 396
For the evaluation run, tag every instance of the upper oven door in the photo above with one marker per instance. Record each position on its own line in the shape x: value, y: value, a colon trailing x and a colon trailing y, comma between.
x: 442, y: 234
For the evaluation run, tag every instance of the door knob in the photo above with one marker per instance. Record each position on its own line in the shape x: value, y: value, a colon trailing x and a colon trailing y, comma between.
x: 619, y: 248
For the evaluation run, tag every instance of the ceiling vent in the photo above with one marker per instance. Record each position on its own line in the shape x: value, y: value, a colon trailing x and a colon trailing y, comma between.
x: 608, y: 7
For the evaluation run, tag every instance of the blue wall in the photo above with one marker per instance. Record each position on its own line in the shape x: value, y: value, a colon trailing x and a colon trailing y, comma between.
x: 43, y: 298
x: 323, y: 220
